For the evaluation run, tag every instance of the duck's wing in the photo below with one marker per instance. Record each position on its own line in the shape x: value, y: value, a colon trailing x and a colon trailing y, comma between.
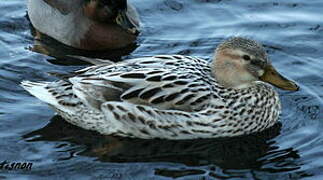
x: 161, y: 84
x: 64, y: 6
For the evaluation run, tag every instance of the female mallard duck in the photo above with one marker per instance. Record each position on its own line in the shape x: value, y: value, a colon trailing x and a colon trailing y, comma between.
x: 86, y: 24
x: 172, y: 96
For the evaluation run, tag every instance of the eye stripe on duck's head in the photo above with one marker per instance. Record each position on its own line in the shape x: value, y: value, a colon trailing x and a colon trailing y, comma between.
x: 248, y: 46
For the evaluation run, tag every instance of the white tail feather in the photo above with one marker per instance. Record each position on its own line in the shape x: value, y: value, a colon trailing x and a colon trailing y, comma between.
x: 38, y: 90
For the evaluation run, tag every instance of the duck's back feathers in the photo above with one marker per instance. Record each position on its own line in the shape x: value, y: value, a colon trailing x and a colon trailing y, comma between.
x: 155, y: 81
x: 149, y: 81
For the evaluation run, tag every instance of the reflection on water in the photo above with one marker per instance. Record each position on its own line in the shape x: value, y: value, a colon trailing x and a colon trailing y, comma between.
x: 48, y: 46
x: 247, y: 152
x: 241, y: 152
x: 292, y: 32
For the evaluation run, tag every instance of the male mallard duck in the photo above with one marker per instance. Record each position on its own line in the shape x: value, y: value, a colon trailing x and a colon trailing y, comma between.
x: 172, y: 96
x: 86, y: 24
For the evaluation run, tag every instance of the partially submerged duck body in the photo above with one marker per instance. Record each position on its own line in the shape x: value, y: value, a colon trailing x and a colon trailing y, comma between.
x: 84, y: 24
x: 172, y: 96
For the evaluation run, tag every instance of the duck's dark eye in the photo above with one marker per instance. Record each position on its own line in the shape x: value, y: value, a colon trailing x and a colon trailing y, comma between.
x: 246, y: 57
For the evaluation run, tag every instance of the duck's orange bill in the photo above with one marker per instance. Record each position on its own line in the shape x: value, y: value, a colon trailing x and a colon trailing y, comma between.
x: 273, y: 77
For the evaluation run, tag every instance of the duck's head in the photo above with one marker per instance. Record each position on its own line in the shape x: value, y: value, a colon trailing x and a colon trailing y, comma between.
x: 240, y: 61
x: 111, y: 11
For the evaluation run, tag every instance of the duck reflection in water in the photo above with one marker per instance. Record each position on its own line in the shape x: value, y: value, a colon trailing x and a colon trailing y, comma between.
x: 234, y: 153
x: 65, y: 55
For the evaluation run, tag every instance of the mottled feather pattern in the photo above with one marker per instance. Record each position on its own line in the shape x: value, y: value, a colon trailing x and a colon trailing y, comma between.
x: 143, y: 82
x: 171, y: 97
x: 62, y: 91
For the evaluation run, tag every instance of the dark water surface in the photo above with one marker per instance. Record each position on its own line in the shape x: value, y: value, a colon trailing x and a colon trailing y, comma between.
x: 292, y: 32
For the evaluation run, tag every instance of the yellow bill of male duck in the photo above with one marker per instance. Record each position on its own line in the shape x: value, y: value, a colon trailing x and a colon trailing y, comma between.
x: 86, y: 24
x: 172, y: 96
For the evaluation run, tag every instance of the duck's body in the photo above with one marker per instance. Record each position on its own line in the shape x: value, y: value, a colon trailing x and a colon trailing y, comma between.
x: 71, y: 23
x: 170, y: 97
